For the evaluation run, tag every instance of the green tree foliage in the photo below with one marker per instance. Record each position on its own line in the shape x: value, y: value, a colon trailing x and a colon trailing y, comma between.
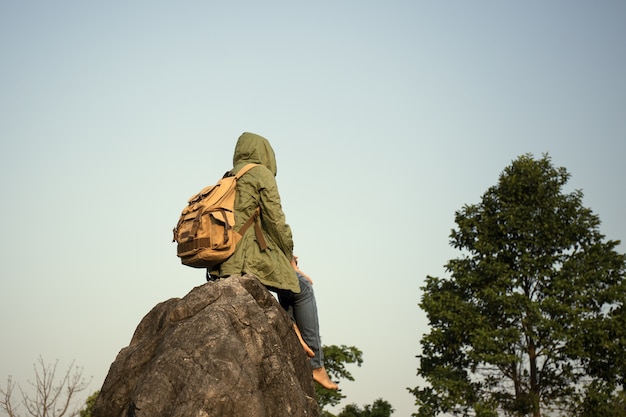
x: 380, y: 408
x: 532, y: 318
x: 335, y: 360
x: 602, y: 402
x: 91, y: 400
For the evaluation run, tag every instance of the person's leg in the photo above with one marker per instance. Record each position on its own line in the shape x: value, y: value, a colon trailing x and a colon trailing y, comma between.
x: 307, y: 349
x: 285, y: 297
x: 305, y: 314
x: 304, y: 310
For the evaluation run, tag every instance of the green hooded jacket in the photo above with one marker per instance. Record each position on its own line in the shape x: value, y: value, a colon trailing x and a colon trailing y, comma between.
x: 257, y: 188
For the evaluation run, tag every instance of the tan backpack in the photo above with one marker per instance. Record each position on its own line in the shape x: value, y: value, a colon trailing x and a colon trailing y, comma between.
x: 204, y: 233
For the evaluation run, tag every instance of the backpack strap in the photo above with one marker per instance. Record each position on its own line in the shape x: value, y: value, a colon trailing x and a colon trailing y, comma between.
x: 257, y: 229
x: 245, y: 169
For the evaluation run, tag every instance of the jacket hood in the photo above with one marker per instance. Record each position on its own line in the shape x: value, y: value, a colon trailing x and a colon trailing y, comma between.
x: 252, y: 148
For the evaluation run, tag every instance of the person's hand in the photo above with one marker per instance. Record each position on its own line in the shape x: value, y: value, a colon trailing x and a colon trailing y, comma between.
x: 294, y: 264
x: 308, y: 278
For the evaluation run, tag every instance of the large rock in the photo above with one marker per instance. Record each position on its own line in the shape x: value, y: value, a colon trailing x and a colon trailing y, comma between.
x: 227, y: 349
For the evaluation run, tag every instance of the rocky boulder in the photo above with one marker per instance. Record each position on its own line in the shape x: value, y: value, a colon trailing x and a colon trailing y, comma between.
x: 226, y: 349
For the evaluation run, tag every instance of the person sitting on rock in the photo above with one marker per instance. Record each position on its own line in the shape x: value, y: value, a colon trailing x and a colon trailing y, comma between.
x: 272, y: 266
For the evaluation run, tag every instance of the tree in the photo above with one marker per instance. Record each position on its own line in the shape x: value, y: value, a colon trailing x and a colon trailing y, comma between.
x: 51, y: 398
x: 600, y: 402
x: 380, y: 408
x: 534, y: 309
x: 91, y: 400
x: 335, y: 360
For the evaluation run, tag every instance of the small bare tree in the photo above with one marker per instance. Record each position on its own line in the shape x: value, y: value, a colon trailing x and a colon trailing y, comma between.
x: 50, y: 397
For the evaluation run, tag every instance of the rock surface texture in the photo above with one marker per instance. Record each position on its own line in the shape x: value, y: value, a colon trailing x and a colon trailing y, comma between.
x: 226, y: 349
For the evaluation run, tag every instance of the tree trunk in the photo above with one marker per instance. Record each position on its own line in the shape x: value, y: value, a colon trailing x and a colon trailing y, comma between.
x: 533, y: 395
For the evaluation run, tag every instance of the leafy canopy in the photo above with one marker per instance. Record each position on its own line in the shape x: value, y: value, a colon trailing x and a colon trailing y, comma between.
x: 380, y: 408
x: 533, y: 311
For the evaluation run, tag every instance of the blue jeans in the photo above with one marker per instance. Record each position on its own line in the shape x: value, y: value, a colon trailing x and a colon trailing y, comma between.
x: 302, y: 308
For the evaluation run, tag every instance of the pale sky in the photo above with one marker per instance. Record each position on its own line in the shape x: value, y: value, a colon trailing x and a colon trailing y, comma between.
x: 386, y: 118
